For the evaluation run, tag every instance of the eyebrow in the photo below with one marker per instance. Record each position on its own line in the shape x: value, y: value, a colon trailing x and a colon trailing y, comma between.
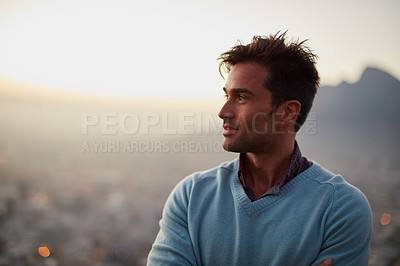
x: 239, y: 90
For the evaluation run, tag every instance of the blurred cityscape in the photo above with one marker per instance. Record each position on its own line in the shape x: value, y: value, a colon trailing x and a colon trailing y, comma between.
x: 76, y: 192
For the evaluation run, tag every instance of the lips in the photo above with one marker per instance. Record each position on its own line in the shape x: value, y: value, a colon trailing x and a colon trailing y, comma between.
x: 229, y: 130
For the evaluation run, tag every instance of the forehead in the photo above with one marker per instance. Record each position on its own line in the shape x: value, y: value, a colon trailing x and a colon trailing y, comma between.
x: 246, y: 75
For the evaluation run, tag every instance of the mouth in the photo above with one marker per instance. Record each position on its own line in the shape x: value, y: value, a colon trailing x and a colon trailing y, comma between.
x: 229, y: 130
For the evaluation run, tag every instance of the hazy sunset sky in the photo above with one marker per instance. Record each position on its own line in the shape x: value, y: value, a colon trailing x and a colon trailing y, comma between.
x: 168, y: 48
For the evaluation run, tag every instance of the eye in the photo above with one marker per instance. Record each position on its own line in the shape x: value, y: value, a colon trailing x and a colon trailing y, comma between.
x: 226, y: 96
x: 241, y: 97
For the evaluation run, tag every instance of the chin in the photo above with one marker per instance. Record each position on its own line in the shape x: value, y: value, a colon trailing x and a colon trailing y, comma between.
x: 229, y: 146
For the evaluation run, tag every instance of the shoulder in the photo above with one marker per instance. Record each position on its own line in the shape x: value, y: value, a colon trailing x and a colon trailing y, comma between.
x: 347, y: 202
x: 348, y: 220
x: 341, y: 189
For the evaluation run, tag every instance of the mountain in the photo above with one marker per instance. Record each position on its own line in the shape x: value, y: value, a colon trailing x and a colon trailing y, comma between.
x: 359, y: 118
x: 372, y: 99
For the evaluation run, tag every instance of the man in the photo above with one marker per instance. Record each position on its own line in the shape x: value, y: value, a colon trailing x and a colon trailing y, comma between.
x: 270, y: 206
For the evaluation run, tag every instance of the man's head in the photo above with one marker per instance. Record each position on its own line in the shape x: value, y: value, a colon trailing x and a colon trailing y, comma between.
x: 290, y: 69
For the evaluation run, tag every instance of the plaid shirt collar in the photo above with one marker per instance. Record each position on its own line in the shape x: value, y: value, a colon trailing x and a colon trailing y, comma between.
x: 298, y: 164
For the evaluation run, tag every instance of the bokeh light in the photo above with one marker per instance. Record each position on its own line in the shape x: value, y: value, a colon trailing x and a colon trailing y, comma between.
x: 386, y: 218
x: 44, y: 251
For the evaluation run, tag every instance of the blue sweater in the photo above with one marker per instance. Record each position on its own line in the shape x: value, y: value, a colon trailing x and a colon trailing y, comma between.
x: 209, y: 220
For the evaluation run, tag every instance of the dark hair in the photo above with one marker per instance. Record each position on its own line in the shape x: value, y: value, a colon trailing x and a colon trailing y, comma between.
x: 291, y: 66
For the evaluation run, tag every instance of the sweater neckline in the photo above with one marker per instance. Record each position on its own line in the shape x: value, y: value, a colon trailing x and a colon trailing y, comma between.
x: 258, y: 206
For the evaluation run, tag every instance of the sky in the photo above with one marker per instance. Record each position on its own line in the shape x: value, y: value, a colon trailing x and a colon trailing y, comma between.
x: 169, y: 48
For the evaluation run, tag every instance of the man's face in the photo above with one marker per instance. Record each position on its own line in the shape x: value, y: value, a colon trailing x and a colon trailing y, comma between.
x: 247, y: 113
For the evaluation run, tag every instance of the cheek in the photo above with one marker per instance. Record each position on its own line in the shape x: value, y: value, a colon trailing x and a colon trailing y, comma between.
x: 255, y: 122
x: 263, y: 123
x: 254, y: 118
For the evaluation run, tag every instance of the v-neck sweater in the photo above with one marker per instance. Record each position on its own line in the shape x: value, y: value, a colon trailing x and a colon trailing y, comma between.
x: 208, y: 219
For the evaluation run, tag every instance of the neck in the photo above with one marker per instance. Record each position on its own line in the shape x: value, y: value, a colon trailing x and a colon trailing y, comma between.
x: 265, y: 170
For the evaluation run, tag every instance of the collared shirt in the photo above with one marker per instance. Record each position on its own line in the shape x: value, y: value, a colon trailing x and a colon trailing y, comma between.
x: 297, y: 165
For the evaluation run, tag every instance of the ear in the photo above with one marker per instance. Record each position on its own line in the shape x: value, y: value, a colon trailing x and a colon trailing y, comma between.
x: 290, y: 110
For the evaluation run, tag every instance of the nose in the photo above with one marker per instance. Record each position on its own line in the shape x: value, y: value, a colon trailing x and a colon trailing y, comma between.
x: 226, y: 111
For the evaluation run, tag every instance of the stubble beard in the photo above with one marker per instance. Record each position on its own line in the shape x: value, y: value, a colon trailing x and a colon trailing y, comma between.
x: 254, y: 137
x: 249, y: 142
x: 259, y: 144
